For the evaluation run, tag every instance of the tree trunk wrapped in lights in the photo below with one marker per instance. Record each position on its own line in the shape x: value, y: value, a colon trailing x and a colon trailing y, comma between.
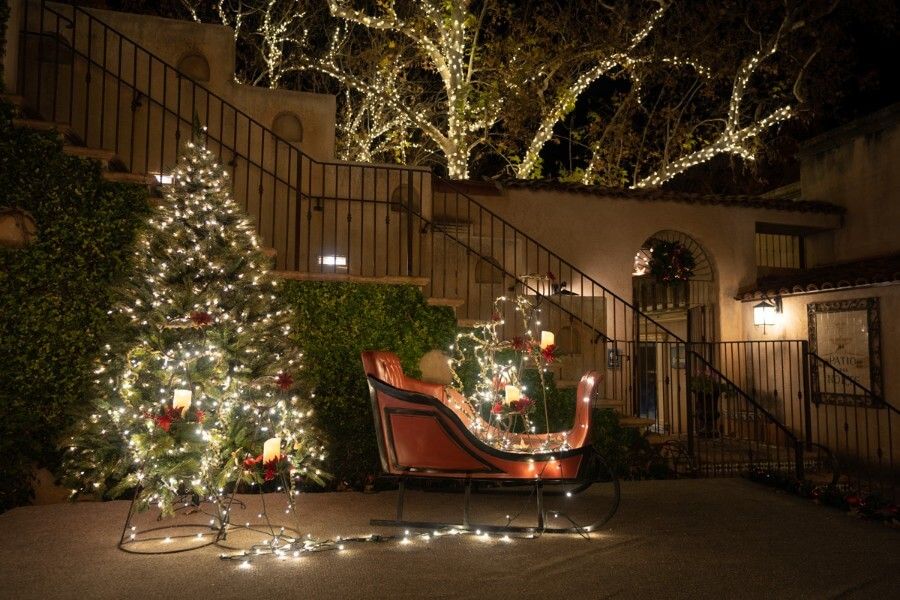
x: 205, y: 371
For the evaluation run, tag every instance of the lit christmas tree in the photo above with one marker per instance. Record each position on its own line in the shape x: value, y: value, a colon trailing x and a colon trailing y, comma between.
x: 200, y: 393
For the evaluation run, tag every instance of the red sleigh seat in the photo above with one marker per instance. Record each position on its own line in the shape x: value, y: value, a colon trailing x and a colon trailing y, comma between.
x: 424, y: 430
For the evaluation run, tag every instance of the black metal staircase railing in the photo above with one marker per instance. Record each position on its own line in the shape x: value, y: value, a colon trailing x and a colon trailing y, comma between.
x: 326, y: 217
x: 829, y: 410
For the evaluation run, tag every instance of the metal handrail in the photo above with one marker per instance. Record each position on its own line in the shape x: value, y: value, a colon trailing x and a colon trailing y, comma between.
x: 880, y: 401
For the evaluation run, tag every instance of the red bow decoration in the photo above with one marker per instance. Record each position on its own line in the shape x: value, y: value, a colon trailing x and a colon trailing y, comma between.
x: 201, y: 318
x: 271, y: 470
x: 519, y: 344
x: 251, y: 462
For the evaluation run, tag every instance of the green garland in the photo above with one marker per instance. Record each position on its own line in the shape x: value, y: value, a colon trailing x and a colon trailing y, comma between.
x: 53, y: 319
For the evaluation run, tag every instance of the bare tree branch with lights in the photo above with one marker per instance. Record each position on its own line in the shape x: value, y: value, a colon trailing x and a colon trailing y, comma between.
x: 495, y: 87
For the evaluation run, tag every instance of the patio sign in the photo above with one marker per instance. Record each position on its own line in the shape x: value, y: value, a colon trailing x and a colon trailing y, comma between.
x: 846, y: 333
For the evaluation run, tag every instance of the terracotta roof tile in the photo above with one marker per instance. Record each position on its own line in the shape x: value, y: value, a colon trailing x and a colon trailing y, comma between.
x: 657, y: 195
x: 872, y: 271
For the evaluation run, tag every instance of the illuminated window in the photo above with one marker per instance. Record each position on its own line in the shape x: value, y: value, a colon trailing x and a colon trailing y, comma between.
x: 333, y: 260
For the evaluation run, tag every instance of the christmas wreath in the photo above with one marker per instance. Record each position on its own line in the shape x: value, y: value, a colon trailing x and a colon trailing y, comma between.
x: 670, y: 261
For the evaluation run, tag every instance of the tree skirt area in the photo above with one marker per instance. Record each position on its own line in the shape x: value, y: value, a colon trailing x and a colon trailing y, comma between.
x: 670, y: 539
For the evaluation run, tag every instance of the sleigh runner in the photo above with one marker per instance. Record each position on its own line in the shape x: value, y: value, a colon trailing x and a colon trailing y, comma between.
x: 425, y: 431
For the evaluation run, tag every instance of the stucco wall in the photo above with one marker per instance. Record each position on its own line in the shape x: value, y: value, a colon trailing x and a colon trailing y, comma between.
x: 171, y: 40
x: 857, y: 166
x: 793, y: 325
x: 601, y: 235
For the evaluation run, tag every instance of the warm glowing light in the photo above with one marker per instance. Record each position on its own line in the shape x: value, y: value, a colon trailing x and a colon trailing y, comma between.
x: 182, y: 400
x: 547, y: 339
x: 272, y: 449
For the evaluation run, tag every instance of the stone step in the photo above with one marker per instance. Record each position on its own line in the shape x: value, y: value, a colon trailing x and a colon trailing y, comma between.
x: 343, y: 277
x: 636, y: 422
x: 453, y: 303
x: 658, y: 439
x: 126, y: 177
x: 468, y: 323
x: 15, y: 100
x: 104, y: 156
x: 63, y: 129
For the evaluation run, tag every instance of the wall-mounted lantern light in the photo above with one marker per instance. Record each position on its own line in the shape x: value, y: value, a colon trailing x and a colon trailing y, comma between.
x: 765, y: 314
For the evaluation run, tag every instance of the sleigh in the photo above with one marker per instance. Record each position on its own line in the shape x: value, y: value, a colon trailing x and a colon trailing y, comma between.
x: 426, y: 431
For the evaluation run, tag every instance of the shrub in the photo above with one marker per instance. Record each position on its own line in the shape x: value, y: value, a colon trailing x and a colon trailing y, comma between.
x: 335, y: 322
x: 56, y: 293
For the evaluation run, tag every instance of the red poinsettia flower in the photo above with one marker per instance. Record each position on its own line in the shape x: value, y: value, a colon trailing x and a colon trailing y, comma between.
x: 497, y: 408
x: 271, y: 470
x: 284, y: 381
x: 251, y: 461
x: 201, y: 416
x: 518, y: 343
x: 548, y: 353
x: 201, y: 318
x: 164, y: 422
x: 523, y: 404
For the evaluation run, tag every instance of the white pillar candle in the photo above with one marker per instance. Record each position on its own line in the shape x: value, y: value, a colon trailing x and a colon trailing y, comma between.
x: 272, y: 449
x: 182, y: 400
x: 512, y: 394
x: 547, y: 339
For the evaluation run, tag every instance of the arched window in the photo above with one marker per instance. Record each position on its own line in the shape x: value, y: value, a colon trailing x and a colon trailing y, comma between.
x: 54, y: 49
x: 288, y: 127
x: 405, y: 195
x: 195, y: 66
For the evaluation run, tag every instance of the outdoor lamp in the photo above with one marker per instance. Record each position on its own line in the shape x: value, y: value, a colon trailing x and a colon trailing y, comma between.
x: 765, y: 313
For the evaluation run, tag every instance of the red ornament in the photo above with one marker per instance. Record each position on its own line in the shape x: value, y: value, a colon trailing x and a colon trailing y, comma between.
x: 497, y: 408
x: 548, y: 353
x: 284, y: 381
x: 201, y: 318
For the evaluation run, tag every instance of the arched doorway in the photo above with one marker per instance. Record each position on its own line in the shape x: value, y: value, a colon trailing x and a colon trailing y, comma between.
x: 674, y: 283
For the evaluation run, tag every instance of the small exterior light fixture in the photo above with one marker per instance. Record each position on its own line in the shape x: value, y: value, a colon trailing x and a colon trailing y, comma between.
x: 766, y: 313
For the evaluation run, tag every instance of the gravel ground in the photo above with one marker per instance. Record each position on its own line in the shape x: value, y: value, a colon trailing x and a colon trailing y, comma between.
x: 725, y: 538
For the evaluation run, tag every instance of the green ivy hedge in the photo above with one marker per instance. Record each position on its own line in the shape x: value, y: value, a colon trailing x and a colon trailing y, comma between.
x: 56, y: 294
x: 335, y: 323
